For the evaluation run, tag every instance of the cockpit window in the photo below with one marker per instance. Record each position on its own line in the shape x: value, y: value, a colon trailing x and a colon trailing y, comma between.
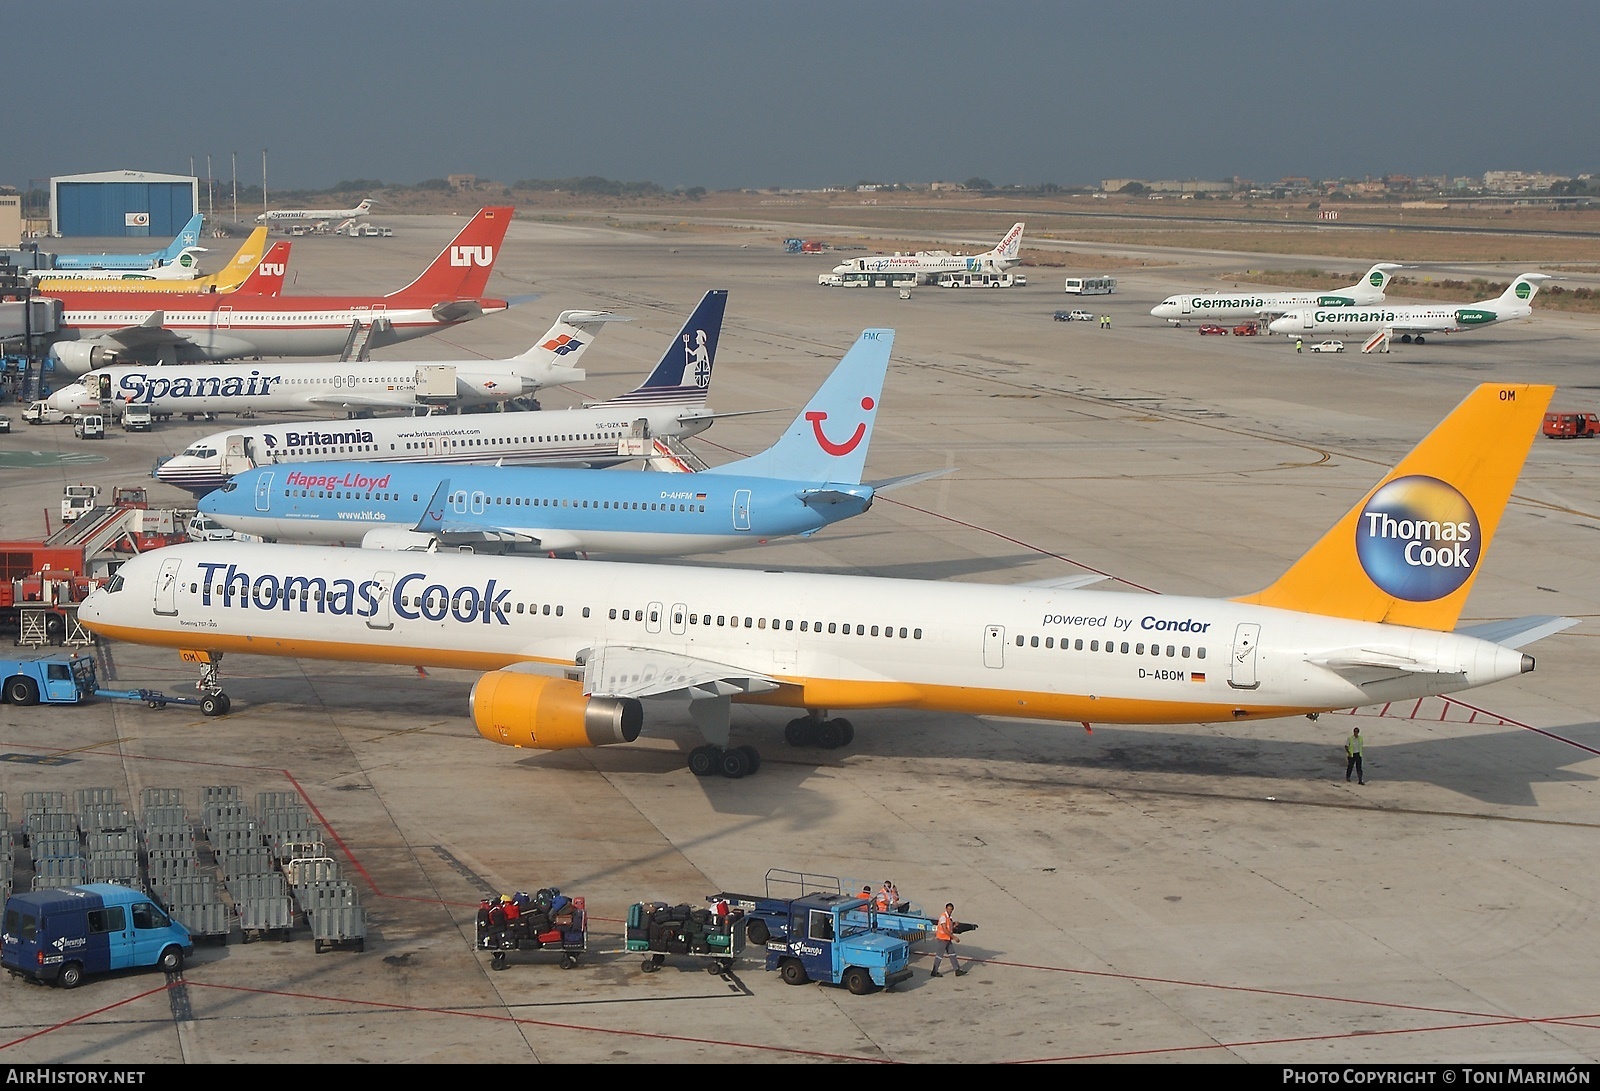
x: 230, y: 485
x: 114, y: 584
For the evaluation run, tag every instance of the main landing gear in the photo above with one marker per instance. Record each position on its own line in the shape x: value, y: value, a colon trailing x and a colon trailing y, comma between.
x: 733, y: 763
x: 814, y: 729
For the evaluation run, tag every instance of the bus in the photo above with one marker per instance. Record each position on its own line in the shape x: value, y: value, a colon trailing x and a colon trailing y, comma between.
x: 1090, y: 285
x: 976, y: 280
x: 897, y: 279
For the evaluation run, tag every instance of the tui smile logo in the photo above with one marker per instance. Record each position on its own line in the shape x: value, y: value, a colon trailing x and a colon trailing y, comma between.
x: 817, y: 416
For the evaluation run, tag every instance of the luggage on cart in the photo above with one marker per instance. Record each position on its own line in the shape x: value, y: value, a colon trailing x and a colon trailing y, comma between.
x: 656, y: 930
x: 523, y: 922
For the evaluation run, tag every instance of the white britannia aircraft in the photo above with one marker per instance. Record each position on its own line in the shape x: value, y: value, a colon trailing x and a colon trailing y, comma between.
x: 670, y: 403
x: 185, y: 239
x: 303, y: 215
x: 349, y: 386
x: 1415, y: 322
x: 1226, y: 306
x: 928, y: 264
x: 1369, y: 615
x: 185, y: 266
x: 107, y: 327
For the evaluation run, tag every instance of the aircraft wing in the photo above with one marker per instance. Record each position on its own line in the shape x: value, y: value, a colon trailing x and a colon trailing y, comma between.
x: 645, y: 672
x: 439, y: 521
x: 397, y: 400
x: 147, y: 334
x: 890, y: 483
x: 1066, y: 583
x: 1519, y: 631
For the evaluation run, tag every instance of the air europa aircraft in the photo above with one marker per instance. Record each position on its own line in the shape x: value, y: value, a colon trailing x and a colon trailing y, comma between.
x: 671, y: 402
x: 100, y: 328
x: 347, y: 385
x: 231, y: 277
x: 570, y: 648
x: 1211, y: 306
x: 189, y: 236
x: 1414, y: 322
x: 928, y: 264
x: 809, y: 479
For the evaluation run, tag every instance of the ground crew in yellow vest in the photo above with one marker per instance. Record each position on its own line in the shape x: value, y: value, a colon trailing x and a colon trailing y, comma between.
x: 1352, y: 755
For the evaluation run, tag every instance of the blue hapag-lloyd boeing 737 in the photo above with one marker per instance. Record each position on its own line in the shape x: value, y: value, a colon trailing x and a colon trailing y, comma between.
x: 187, y: 238
x: 810, y: 478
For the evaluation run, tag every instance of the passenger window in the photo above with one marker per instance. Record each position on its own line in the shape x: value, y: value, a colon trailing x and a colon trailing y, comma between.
x: 1033, y: 642
x: 1124, y: 647
x: 1199, y: 653
x: 1094, y: 645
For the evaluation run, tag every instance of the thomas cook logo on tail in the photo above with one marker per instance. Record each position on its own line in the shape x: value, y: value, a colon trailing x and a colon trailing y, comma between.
x: 562, y: 345
x: 817, y: 416
x: 1418, y: 538
x: 466, y: 256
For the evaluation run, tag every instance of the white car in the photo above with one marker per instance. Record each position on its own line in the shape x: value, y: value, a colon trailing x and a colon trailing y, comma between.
x: 202, y: 529
x: 1328, y: 346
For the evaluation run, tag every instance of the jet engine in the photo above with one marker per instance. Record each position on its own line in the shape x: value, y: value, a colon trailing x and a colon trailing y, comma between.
x: 79, y: 357
x: 545, y: 713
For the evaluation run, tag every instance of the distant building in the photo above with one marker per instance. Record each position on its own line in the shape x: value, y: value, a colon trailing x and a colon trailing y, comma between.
x: 10, y: 221
x: 462, y: 181
x: 1191, y: 185
x: 1517, y: 181
x: 122, y: 203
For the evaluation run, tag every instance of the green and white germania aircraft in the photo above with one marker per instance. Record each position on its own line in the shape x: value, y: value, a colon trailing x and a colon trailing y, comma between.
x: 1226, y: 306
x: 1414, y: 323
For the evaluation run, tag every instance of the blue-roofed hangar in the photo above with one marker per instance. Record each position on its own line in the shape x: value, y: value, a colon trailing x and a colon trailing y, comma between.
x: 122, y: 204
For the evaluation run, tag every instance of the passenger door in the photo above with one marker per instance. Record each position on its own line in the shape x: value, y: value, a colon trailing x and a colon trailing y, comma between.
x: 264, y: 492
x: 741, y: 509
x: 167, y: 587
x: 994, y: 646
x: 1242, y: 674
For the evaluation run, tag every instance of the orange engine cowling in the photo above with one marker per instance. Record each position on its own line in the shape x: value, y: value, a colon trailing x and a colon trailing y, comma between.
x: 546, y: 713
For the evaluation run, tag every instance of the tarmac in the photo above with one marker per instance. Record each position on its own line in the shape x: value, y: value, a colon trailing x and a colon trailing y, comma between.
x: 1206, y: 894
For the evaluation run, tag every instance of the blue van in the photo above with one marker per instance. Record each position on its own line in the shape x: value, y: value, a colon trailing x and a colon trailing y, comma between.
x: 61, y: 935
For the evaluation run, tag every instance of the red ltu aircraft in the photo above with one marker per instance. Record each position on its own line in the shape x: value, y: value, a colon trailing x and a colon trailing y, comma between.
x: 99, y: 328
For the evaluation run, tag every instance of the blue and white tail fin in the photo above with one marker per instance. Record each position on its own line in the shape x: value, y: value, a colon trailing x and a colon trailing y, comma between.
x: 683, y: 377
x: 553, y: 358
x: 189, y: 236
x: 828, y: 441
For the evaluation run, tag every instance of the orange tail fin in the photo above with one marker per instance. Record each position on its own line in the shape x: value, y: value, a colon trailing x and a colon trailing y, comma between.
x: 462, y: 270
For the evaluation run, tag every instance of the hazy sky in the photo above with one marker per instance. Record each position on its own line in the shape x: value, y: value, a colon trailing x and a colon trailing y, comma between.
x: 721, y: 93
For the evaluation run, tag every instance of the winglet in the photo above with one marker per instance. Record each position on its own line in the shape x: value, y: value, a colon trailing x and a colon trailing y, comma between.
x: 432, y: 519
x: 828, y: 441
x: 1409, y: 552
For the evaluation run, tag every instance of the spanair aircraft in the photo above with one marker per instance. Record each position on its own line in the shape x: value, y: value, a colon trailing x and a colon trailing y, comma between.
x: 347, y: 386
x: 670, y: 403
x: 230, y: 278
x: 188, y: 237
x: 809, y: 479
x: 186, y: 266
x: 1414, y: 323
x: 100, y: 328
x: 1368, y: 615
x: 1226, y: 306
x: 928, y: 264
x: 301, y: 215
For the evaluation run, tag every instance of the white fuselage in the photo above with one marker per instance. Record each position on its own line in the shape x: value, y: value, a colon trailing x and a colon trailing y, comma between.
x: 569, y: 436
x: 1229, y: 306
x: 265, y: 388
x: 828, y: 641
x: 1441, y: 318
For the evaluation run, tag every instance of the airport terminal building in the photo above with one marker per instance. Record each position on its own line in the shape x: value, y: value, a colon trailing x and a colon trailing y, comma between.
x: 122, y: 204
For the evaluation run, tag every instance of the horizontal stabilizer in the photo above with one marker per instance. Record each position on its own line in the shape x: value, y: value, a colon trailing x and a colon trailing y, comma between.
x: 1519, y: 631
x: 459, y: 311
x: 889, y: 484
x: 1364, y: 661
x: 1066, y: 583
x: 646, y: 672
x: 816, y: 497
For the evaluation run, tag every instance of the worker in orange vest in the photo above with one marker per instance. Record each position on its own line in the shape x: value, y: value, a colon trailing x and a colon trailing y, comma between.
x: 945, y: 933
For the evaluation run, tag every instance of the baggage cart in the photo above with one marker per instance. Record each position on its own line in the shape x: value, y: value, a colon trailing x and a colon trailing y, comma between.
x: 545, y: 921
x: 658, y: 930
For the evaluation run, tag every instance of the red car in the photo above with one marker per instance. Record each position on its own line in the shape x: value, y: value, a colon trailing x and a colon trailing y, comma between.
x: 1223, y: 330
